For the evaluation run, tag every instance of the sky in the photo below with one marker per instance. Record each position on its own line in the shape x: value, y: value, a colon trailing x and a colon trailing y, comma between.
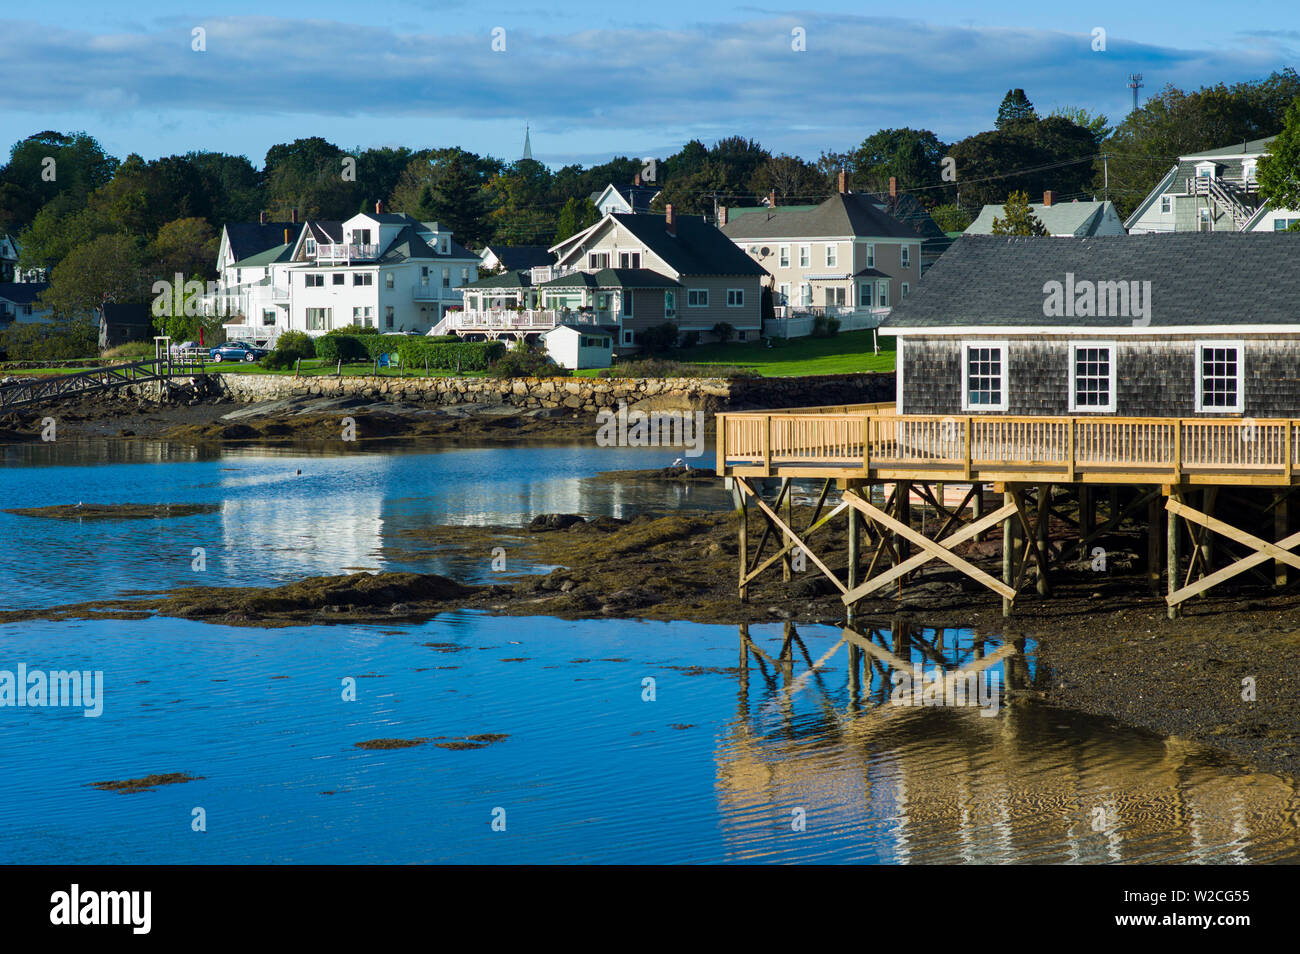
x: 595, y: 80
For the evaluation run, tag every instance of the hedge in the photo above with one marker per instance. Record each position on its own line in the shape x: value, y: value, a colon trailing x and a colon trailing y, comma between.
x: 450, y: 355
x: 345, y: 348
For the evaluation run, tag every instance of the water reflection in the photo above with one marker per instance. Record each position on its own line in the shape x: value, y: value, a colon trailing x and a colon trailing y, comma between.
x: 942, y: 783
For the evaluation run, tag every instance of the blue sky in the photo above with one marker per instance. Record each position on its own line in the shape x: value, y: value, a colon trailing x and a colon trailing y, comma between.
x: 595, y: 79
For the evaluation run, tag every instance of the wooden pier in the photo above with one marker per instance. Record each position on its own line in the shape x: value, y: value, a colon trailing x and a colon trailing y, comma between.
x: 1186, y: 477
x: 52, y: 387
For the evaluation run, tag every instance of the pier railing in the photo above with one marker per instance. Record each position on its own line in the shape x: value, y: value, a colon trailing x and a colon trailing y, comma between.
x: 871, y: 440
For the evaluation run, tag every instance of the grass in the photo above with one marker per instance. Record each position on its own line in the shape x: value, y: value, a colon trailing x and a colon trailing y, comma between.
x: 315, y: 367
x: 846, y: 353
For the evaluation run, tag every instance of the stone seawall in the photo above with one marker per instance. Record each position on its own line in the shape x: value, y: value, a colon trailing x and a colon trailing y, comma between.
x: 579, y: 394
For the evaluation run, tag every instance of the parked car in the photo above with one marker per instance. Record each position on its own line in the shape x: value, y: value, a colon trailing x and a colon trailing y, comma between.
x: 237, y: 351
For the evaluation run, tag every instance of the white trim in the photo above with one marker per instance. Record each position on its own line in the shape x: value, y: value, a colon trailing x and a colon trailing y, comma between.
x: 1038, y: 331
x: 1003, y: 383
x: 1109, y: 407
x: 899, y: 364
x: 697, y: 291
x: 740, y: 292
x: 1241, y: 373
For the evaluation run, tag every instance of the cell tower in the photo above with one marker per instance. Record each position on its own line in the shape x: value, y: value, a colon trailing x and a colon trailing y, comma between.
x: 1135, y: 84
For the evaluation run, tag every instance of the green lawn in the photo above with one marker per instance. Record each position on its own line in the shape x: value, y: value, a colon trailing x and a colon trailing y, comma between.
x: 315, y: 367
x: 846, y: 353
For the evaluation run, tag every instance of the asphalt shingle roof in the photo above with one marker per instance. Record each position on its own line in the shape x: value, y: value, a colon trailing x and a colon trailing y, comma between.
x: 522, y: 256
x: 22, y: 293
x: 843, y: 214
x: 697, y: 249
x: 1214, y: 279
x: 250, y: 238
x: 1059, y: 218
x: 515, y: 279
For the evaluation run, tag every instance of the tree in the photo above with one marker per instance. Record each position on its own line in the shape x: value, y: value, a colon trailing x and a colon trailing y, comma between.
x: 1015, y: 108
x: 951, y: 218
x: 47, y: 165
x: 454, y: 197
x: 1019, y: 219
x: 108, y: 268
x: 232, y: 185
x: 1095, y: 123
x: 1279, y: 171
x: 577, y: 215
x: 791, y: 178
x: 308, y: 175
x: 912, y: 156
x: 188, y: 246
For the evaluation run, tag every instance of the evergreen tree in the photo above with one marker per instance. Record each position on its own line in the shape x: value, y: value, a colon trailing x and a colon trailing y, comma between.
x: 1015, y: 108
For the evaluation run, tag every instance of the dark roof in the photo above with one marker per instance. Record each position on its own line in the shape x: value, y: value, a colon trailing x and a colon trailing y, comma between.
x: 906, y: 208
x: 522, y: 256
x: 408, y: 244
x: 571, y: 280
x: 1214, y: 279
x: 697, y: 249
x: 327, y: 232
x: 633, y: 278
x: 125, y: 314
x: 279, y: 253
x: 586, y: 328
x: 249, y: 238
x: 638, y: 197
x: 843, y: 214
x: 22, y: 293
x: 515, y: 279
x: 870, y: 272
x: 393, y: 218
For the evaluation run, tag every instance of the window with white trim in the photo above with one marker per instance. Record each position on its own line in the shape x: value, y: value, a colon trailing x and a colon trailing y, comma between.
x: 865, y: 297
x: 832, y: 255
x: 314, y: 281
x: 783, y: 294
x: 670, y: 303
x: 1166, y: 204
x: 905, y: 255
x: 1092, y: 376
x: 883, y: 295
x: 785, y: 256
x: 735, y: 297
x: 340, y: 278
x: 697, y: 298
x: 318, y: 319
x: 984, y: 376
x: 1220, y: 376
x: 871, y: 255
x: 906, y: 288
x: 805, y: 256
x: 363, y: 278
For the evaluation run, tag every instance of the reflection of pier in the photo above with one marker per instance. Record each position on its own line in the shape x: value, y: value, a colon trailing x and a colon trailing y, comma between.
x: 937, y: 784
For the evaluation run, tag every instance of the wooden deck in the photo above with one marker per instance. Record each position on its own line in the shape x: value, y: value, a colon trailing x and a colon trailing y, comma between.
x: 871, y: 442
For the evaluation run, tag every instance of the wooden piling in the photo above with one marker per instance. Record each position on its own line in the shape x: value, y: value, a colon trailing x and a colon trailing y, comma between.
x: 1171, y: 554
x: 1044, y: 502
x: 1008, y: 550
x: 1281, y: 528
x: 1155, y: 543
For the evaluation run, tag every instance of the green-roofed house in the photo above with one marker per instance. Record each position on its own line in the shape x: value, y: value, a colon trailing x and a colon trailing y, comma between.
x: 1074, y: 219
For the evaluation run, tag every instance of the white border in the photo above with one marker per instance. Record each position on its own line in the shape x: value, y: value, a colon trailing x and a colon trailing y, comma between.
x: 1005, y: 377
x: 1241, y: 373
x: 1108, y: 408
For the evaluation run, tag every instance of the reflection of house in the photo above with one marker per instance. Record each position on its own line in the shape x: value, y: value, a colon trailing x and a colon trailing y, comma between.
x: 19, y: 304
x: 380, y: 270
x: 1212, y: 191
x: 631, y: 272
x: 581, y: 346
x: 1072, y: 219
x: 845, y: 258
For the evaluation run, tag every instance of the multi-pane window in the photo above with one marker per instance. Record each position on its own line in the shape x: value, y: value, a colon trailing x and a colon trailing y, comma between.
x: 832, y: 255
x: 314, y: 281
x: 905, y: 255
x: 629, y: 259
x: 871, y: 256
x: 697, y: 297
x: 805, y: 256
x: 785, y: 256
x: 1219, y: 376
x: 363, y: 278
x: 864, y: 294
x: 318, y: 319
x: 984, y: 386
x: 735, y: 297
x: 1092, y: 377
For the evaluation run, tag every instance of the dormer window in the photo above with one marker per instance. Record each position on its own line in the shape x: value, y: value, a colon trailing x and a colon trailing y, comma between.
x: 310, y: 246
x: 1206, y: 170
x: 446, y: 245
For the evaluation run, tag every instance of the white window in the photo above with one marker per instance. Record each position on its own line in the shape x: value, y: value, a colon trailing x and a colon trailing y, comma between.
x: 364, y: 316
x: 310, y: 247
x: 1166, y: 204
x: 905, y: 255
x: 314, y: 281
x: 871, y: 256
x: 388, y: 279
x: 832, y: 254
x: 805, y: 294
x: 1092, y: 376
x: 1205, y: 224
x: 598, y: 260
x: 785, y: 256
x: 318, y: 319
x: 835, y: 296
x: 629, y: 259
x: 906, y: 288
x: 984, y: 376
x: 805, y: 256
x: 883, y: 294
x: 864, y: 295
x: 670, y: 304
x: 363, y: 278
x: 735, y: 297
x: 697, y: 298
x: 1220, y: 376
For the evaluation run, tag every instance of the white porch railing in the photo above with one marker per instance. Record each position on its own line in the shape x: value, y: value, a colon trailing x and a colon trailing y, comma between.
x: 346, y: 253
x: 434, y: 292
x: 510, y: 320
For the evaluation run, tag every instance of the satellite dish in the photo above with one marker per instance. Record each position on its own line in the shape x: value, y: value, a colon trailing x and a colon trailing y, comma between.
x: 753, y: 250
x: 766, y: 251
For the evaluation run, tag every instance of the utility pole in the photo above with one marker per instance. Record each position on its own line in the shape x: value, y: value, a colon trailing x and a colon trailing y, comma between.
x: 1105, y: 175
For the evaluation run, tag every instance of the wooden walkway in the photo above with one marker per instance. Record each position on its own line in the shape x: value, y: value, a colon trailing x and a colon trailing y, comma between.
x: 1173, y: 472
x: 52, y: 387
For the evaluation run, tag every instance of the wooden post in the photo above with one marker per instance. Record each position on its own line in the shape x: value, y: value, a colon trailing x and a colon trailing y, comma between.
x: 1171, y: 553
x: 1044, y: 499
x: 903, y: 512
x: 742, y: 516
x: 1008, y: 550
x: 1086, y: 517
x: 850, y: 610
x: 977, y: 507
x: 1208, y: 498
x: 787, y: 565
x: 1281, y: 528
x: 1155, y: 543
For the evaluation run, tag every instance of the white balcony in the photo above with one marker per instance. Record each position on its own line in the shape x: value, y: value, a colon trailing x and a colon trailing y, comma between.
x: 326, y: 254
x: 434, y: 292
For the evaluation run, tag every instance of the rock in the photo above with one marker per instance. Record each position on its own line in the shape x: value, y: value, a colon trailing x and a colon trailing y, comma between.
x: 555, y: 521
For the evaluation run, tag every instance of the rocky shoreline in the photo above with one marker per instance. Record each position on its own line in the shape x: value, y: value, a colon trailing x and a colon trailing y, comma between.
x: 1102, y: 640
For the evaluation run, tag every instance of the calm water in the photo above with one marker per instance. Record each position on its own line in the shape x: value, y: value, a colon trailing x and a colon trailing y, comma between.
x: 746, y: 752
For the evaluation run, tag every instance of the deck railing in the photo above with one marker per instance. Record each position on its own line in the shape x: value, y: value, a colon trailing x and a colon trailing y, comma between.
x: 873, y: 439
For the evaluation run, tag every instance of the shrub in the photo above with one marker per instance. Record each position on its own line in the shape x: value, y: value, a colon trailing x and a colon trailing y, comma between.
x: 824, y: 327
x: 51, y: 342
x: 130, y: 350
x: 527, y: 363
x: 658, y: 338
x: 690, y: 339
x: 289, y: 347
x: 724, y: 330
x: 449, y: 355
x: 340, y: 347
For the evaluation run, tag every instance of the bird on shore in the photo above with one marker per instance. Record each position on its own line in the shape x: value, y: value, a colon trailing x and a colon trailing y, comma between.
x: 681, y: 462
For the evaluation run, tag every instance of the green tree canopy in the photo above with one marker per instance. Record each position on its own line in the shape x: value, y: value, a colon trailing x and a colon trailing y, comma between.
x: 1017, y: 218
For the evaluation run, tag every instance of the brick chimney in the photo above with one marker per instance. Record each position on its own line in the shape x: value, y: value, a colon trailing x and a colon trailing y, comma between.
x: 261, y: 218
x: 1048, y: 198
x: 670, y: 220
x: 722, y: 216
x: 771, y: 199
x: 893, y: 187
x: 379, y: 207
x: 293, y: 216
x: 843, y: 182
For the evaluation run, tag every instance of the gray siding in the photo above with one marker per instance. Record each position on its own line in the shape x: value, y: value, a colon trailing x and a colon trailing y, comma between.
x: 1155, y: 376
